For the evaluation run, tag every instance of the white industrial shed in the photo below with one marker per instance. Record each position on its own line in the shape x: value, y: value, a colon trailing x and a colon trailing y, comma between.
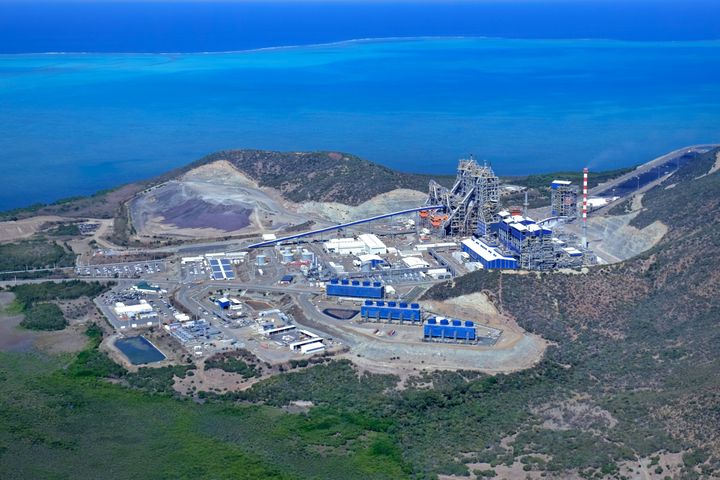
x: 373, y: 245
x: 415, y: 262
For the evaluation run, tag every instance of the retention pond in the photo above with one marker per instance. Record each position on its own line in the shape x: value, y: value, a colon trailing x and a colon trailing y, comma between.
x: 139, y: 350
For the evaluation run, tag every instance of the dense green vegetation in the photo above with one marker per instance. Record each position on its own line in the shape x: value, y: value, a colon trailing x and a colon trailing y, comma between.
x: 32, y: 299
x: 79, y: 424
x: 43, y: 316
x: 242, y: 362
x: 29, y: 293
x: 34, y: 254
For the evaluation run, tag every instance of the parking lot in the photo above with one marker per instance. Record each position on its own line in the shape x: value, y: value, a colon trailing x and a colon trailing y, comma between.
x: 160, y: 304
x: 122, y: 270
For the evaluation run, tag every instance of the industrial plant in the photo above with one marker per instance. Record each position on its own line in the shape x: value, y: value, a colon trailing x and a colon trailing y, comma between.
x: 343, y: 285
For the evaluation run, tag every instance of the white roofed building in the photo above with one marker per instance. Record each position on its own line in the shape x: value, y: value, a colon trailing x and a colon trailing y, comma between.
x: 132, y: 310
x: 415, y: 262
x: 373, y: 244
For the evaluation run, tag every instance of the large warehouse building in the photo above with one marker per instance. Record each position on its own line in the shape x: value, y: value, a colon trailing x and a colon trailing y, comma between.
x: 364, y: 244
x: 489, y: 257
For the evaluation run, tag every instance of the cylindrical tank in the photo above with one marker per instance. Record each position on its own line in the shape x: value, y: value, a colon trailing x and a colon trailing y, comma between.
x: 260, y: 260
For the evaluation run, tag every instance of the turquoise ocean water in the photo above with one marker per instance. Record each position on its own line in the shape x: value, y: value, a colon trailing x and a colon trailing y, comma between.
x: 74, y: 123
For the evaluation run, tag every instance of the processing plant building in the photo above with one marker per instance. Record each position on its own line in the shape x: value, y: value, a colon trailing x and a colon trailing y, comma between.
x: 489, y: 257
x: 515, y: 241
x: 563, y: 199
x: 472, y: 200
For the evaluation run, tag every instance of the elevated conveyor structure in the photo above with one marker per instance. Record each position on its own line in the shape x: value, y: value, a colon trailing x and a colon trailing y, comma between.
x: 318, y: 231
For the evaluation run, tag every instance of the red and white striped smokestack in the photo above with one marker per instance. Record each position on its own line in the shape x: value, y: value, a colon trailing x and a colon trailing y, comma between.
x: 584, y: 206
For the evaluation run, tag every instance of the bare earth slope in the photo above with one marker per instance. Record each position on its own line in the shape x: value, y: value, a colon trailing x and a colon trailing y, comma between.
x: 320, y: 176
x: 216, y: 199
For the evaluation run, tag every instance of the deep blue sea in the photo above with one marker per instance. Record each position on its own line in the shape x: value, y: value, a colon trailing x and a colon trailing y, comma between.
x: 595, y: 84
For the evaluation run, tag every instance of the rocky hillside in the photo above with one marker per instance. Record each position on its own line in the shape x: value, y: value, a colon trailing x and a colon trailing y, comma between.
x: 300, y: 176
x: 640, y: 339
x: 320, y: 176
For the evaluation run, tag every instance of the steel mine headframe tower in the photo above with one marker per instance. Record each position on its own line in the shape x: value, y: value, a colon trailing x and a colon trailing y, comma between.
x: 472, y: 200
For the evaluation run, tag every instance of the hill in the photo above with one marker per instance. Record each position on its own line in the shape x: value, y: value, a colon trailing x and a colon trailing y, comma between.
x: 320, y: 176
x: 335, y: 177
x: 629, y: 388
x: 639, y: 339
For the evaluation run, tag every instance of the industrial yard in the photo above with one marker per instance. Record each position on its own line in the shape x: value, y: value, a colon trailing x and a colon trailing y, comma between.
x: 327, y: 279
x: 482, y: 294
x: 354, y: 289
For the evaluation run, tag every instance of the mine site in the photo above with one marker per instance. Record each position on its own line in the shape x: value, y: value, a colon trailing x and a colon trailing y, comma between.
x: 243, y: 269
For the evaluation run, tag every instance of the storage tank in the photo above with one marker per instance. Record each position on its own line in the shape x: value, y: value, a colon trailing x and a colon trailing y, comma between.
x: 287, y: 256
x: 261, y: 259
x: 307, y: 256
